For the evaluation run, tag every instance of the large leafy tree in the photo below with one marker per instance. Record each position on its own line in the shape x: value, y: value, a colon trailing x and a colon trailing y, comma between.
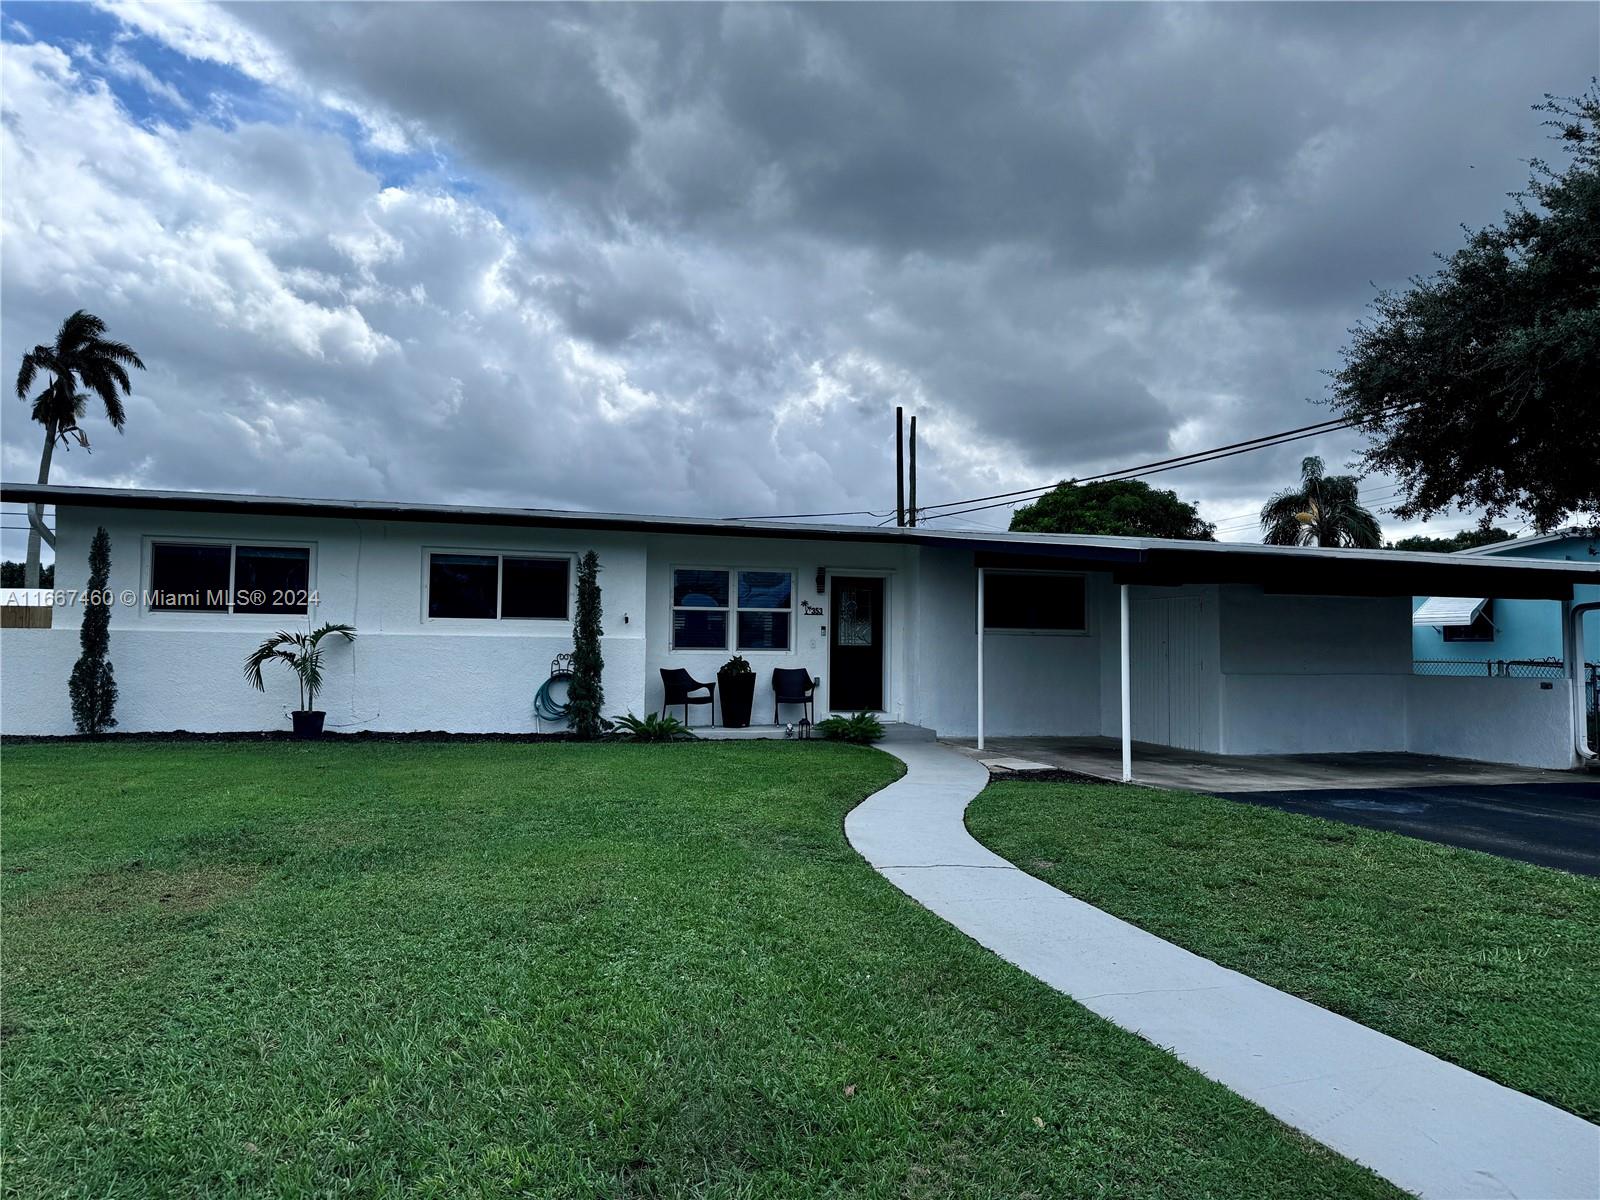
x: 1323, y: 511
x: 1467, y: 539
x: 1115, y: 507
x: 1480, y: 384
x: 13, y: 575
x: 81, y: 362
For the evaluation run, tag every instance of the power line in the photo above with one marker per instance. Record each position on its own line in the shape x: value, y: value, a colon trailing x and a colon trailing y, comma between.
x: 1261, y: 442
x: 1135, y: 473
x: 1193, y: 458
x: 1244, y: 522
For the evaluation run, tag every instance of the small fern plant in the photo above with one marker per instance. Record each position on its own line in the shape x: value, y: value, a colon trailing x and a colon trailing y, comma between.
x: 652, y: 727
x: 862, y: 728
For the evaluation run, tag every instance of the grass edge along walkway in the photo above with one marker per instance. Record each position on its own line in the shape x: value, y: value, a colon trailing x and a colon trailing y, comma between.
x: 557, y: 970
x: 1484, y: 962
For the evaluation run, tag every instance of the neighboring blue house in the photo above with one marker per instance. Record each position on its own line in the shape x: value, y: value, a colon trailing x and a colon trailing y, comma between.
x: 1477, y: 630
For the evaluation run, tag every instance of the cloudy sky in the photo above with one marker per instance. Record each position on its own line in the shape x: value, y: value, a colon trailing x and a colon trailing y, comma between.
x: 688, y: 259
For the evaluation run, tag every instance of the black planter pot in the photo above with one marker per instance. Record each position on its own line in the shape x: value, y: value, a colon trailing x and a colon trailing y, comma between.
x: 738, y: 694
x: 307, y: 725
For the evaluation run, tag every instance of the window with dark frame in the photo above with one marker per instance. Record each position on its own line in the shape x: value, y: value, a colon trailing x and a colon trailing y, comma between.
x: 534, y: 589
x: 699, y: 609
x: 189, y: 577
x: 463, y: 586
x: 508, y: 587
x: 271, y: 579
x: 219, y: 577
x: 756, y: 606
x: 1035, y: 602
x: 1481, y: 629
x: 765, y: 602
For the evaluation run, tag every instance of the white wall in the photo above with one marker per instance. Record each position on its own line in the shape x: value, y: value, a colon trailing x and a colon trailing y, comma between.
x: 1175, y: 664
x: 1277, y: 674
x: 404, y: 672
x: 808, y: 643
x: 1313, y: 674
x: 1036, y: 684
x: 1327, y: 675
x: 1493, y: 720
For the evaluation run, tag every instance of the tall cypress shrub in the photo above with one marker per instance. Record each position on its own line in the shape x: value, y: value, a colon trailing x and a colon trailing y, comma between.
x: 585, y: 696
x: 93, y: 689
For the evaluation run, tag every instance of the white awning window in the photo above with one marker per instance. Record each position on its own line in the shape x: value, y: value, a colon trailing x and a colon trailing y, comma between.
x: 1448, y: 610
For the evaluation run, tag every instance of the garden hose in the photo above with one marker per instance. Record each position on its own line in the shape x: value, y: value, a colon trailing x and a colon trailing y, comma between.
x: 544, y: 705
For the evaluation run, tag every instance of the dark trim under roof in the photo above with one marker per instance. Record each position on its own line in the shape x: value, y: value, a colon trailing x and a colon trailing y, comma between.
x: 1153, y: 561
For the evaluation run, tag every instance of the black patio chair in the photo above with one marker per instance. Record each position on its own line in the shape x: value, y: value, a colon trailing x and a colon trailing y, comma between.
x: 681, y: 686
x: 793, y: 685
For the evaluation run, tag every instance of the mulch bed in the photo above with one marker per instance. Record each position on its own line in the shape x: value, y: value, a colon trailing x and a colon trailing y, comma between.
x: 284, y: 735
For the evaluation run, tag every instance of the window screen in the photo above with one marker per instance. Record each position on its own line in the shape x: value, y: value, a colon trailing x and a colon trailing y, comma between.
x: 534, y: 588
x: 463, y: 585
x: 1481, y: 629
x: 765, y: 601
x: 699, y: 609
x: 271, y: 579
x: 189, y: 578
x: 1051, y: 603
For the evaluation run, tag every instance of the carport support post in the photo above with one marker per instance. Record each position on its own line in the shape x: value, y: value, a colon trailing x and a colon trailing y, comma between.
x: 1127, y: 707
x: 981, y: 573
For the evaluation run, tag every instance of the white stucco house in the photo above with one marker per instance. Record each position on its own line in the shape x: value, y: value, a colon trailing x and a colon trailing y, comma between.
x: 1232, y: 649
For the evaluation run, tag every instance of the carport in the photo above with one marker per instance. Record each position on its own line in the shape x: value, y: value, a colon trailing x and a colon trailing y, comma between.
x: 1197, y: 771
x: 1230, y: 651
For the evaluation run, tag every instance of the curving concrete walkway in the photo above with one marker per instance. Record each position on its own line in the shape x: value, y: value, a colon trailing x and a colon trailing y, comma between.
x: 1430, y: 1127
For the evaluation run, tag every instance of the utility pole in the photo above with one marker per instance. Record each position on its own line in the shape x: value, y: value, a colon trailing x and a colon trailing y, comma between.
x: 899, y: 466
x: 911, y: 514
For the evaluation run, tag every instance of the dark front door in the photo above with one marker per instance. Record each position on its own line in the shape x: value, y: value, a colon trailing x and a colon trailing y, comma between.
x: 855, y: 656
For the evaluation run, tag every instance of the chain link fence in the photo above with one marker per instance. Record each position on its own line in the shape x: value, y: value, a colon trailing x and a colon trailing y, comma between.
x: 1496, y: 668
x: 1512, y: 668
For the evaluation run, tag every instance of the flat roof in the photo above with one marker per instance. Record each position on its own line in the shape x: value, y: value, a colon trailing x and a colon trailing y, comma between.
x: 1152, y: 561
x: 1512, y: 545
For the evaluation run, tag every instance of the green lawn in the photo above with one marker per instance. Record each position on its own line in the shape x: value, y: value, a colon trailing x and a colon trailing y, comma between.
x: 1491, y: 964
x: 548, y: 970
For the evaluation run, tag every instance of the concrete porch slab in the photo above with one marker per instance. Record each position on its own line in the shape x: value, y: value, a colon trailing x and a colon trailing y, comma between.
x: 898, y: 731
x: 1193, y: 771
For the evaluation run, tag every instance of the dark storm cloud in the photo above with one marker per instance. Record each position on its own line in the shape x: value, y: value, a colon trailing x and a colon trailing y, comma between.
x: 637, y: 244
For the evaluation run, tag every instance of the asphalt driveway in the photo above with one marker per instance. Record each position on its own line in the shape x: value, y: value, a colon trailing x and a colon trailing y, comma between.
x: 1548, y: 824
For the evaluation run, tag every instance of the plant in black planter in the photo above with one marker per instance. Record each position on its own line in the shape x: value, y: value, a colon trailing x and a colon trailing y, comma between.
x: 737, y: 683
x: 303, y: 654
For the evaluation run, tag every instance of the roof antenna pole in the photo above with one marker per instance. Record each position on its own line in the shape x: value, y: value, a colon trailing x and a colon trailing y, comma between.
x: 899, y: 466
x: 911, y: 510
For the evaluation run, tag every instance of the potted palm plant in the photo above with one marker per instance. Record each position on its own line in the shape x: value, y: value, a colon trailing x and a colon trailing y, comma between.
x: 737, y: 683
x: 303, y: 654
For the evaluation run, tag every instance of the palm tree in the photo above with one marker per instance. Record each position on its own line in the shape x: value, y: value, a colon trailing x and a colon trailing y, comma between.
x: 81, y: 356
x: 302, y: 652
x: 1322, y: 511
